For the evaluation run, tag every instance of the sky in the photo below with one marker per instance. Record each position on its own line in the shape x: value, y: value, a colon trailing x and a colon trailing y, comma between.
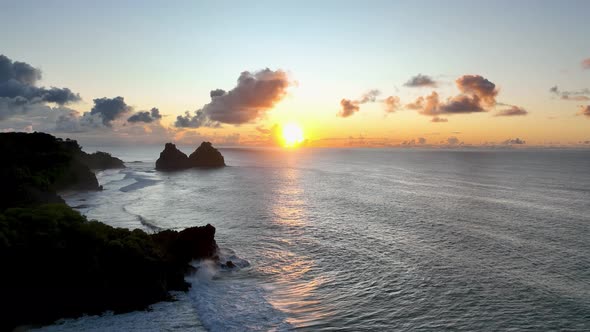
x: 370, y: 73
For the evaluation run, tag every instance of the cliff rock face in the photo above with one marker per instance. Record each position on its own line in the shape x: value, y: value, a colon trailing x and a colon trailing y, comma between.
x: 57, y: 264
x: 172, y: 159
x: 36, y: 165
x: 100, y: 160
x: 206, y: 156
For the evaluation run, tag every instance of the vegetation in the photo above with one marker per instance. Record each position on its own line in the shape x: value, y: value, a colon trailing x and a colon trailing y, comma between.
x: 56, y: 263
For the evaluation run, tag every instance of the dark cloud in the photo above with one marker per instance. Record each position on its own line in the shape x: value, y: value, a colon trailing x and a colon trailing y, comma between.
x: 109, y: 109
x: 145, y: 116
x: 439, y: 119
x: 462, y: 104
x: 586, y: 63
x: 585, y: 110
x: 199, y: 119
x: 349, y: 107
x: 516, y: 141
x: 573, y: 95
x: 216, y: 93
x: 18, y: 89
x: 255, y: 94
x: 420, y: 81
x: 512, y: 111
x: 392, y: 104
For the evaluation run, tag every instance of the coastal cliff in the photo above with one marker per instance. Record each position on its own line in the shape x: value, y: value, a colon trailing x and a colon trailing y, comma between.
x: 55, y: 262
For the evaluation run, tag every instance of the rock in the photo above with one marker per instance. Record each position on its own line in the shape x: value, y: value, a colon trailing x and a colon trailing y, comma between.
x: 172, y: 159
x: 37, y: 165
x: 206, y: 156
x: 230, y: 264
x: 57, y: 264
x: 100, y: 160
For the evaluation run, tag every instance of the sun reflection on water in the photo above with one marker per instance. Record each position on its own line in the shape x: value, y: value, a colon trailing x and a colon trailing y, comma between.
x: 294, y: 289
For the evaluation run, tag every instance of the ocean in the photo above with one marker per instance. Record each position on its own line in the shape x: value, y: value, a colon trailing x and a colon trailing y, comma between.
x: 364, y: 239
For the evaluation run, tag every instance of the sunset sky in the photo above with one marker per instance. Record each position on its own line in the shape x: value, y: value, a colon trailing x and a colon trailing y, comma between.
x: 360, y: 74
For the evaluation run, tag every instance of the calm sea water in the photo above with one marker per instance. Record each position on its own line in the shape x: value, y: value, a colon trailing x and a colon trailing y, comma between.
x: 365, y: 239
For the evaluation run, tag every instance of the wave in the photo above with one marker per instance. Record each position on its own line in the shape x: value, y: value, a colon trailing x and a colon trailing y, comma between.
x: 139, y: 184
x: 144, y: 221
x: 230, y: 300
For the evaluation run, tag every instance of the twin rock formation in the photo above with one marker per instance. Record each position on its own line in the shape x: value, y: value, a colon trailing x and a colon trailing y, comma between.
x: 205, y: 156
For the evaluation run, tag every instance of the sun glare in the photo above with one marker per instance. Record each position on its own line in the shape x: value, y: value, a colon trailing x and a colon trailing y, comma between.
x: 292, y: 135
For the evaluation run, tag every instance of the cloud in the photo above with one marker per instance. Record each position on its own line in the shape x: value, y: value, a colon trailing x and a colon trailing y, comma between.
x: 369, y: 96
x: 478, y: 94
x: 417, y: 141
x: 109, y: 109
x: 573, y: 95
x: 349, y: 107
x: 512, y: 111
x: 439, y: 119
x: 515, y: 141
x: 145, y: 116
x: 419, y: 81
x: 199, y: 119
x: 392, y: 104
x: 462, y: 104
x: 586, y: 63
x: 478, y: 86
x: 255, y: 94
x: 453, y: 141
x: 18, y: 89
x: 585, y: 110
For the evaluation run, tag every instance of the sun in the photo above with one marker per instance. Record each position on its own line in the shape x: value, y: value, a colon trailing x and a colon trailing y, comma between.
x: 292, y: 135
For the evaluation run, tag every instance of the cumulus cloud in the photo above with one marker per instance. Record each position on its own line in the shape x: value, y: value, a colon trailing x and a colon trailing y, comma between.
x: 586, y: 63
x: 196, y: 120
x: 515, y: 141
x: 585, y: 110
x: 145, y: 116
x: 478, y: 86
x: 254, y: 95
x: 109, y: 109
x: 18, y: 89
x: 349, y: 107
x: 478, y: 94
x: 419, y: 81
x: 512, y: 111
x: 573, y: 95
x: 392, y: 104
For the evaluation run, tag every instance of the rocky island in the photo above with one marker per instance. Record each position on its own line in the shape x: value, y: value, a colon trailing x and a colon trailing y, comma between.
x: 55, y: 262
x: 205, y: 156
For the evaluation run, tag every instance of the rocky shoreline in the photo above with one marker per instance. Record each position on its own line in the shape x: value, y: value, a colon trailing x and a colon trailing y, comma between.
x: 56, y: 263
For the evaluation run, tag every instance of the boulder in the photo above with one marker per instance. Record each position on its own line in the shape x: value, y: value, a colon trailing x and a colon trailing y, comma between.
x: 172, y: 159
x: 206, y: 156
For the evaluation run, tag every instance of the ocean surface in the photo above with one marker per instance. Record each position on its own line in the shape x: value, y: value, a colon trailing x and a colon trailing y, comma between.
x: 364, y: 239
